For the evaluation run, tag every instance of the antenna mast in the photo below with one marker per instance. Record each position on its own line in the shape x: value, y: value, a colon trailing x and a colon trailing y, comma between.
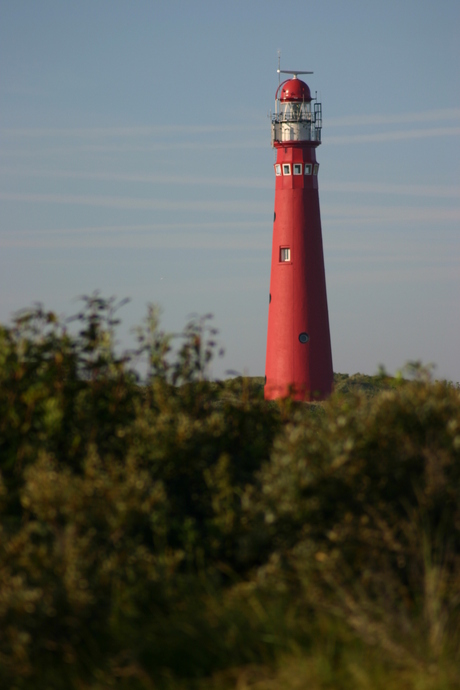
x: 279, y: 80
x: 294, y: 72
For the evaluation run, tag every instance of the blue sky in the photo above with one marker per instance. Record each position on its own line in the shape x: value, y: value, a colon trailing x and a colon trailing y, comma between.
x: 136, y: 160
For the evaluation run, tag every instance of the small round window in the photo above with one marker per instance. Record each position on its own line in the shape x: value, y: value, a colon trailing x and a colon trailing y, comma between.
x: 304, y: 337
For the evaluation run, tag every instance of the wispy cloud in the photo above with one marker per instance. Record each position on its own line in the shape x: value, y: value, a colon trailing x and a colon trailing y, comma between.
x: 372, y: 215
x: 255, y: 235
x: 333, y: 214
x: 245, y: 182
x: 437, y: 115
x: 120, y: 132
x: 128, y: 148
x: 389, y: 255
x: 393, y: 118
x: 362, y: 244
x: 377, y: 262
x: 399, y: 135
x: 390, y: 274
x: 210, y: 236
x: 135, y: 203
x: 165, y: 130
x: 235, y: 227
x: 435, y: 191
x: 210, y: 226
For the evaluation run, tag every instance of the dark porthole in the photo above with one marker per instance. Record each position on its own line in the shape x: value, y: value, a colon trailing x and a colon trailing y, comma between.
x: 304, y: 338
x: 269, y: 297
x: 274, y: 216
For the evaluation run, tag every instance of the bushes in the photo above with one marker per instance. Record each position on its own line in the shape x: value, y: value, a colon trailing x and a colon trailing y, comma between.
x: 118, y: 495
x: 78, y: 564
x: 166, y: 527
x: 363, y: 511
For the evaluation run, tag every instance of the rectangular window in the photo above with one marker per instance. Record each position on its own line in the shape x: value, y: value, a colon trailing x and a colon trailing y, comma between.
x: 315, y: 169
x: 307, y: 168
x: 278, y: 169
x: 286, y: 168
x: 297, y: 168
x: 285, y: 254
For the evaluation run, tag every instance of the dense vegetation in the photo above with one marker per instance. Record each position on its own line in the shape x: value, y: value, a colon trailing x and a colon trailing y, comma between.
x: 174, y: 532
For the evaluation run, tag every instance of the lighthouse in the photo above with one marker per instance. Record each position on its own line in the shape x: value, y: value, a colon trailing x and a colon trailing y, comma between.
x: 299, y: 358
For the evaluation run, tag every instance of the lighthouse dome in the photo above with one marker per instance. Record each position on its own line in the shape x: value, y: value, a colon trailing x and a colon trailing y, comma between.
x: 295, y: 90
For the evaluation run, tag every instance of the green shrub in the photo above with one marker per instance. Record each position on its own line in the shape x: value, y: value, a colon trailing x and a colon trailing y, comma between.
x: 170, y: 531
x: 362, y: 511
x: 118, y: 496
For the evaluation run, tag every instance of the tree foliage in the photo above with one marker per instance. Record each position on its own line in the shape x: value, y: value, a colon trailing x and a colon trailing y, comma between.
x: 164, y: 527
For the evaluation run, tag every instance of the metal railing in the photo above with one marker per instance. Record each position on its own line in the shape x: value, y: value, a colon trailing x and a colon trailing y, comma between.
x: 307, y: 132
x: 311, y: 122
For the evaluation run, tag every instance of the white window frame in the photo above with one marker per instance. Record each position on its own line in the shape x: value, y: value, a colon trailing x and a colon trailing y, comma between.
x: 286, y: 168
x: 297, y: 168
x: 285, y: 255
x: 277, y: 169
x: 307, y: 169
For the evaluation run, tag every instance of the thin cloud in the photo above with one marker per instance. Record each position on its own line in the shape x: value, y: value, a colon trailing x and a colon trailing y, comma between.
x: 408, y: 244
x: 155, y: 130
x: 238, y: 226
x: 393, y: 118
x: 393, y: 274
x: 135, y: 148
x: 390, y: 255
x: 377, y: 264
x: 333, y: 214
x: 233, y: 227
x: 400, y: 135
x: 119, y: 132
x: 139, y: 204
x: 163, y: 130
x: 442, y: 192
x: 143, y: 237
x: 245, y: 182
x: 341, y: 214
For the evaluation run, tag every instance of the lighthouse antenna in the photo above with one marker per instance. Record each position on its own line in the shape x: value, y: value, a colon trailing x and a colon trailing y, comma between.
x: 294, y: 72
x: 279, y: 81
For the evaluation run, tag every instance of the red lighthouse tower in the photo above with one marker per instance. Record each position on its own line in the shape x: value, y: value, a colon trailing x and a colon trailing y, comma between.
x: 299, y: 359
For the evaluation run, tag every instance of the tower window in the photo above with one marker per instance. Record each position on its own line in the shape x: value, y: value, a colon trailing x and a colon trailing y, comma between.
x: 286, y: 168
x: 315, y: 169
x: 307, y: 168
x: 297, y: 168
x: 278, y: 169
x: 285, y: 254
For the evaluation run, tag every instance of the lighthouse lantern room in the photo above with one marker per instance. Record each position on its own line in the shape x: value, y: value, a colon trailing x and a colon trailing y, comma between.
x: 299, y: 358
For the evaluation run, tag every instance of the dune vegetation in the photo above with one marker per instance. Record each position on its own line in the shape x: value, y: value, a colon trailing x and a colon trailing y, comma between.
x: 167, y: 531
